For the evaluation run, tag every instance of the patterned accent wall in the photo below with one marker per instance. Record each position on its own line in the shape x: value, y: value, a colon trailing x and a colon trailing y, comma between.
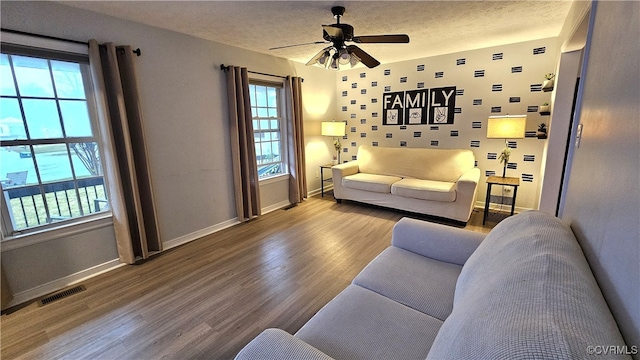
x: 505, y: 80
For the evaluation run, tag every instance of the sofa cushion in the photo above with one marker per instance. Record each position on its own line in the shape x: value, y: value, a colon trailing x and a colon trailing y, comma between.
x: 370, y: 182
x: 419, y: 282
x: 427, y: 164
x: 526, y: 292
x: 279, y: 344
x: 361, y: 324
x: 425, y: 189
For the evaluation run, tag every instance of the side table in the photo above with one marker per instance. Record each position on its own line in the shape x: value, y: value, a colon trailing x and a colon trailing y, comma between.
x: 322, y: 179
x: 499, y: 180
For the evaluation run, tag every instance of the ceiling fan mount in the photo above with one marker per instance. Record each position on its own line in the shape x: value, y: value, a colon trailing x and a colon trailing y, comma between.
x: 337, y: 11
x: 338, y: 52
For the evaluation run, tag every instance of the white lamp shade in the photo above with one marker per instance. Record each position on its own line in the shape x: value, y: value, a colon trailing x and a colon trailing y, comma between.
x: 506, y: 127
x: 333, y: 128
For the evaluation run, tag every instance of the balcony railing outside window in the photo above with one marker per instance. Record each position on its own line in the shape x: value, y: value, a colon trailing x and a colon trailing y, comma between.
x: 61, y: 201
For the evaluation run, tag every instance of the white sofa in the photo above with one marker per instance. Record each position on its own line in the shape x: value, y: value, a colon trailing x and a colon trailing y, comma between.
x: 437, y: 182
x: 525, y: 291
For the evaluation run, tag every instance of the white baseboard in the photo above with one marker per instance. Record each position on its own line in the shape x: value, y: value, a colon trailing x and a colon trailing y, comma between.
x: 313, y: 193
x: 61, y: 283
x: 198, y: 234
x: 274, y: 207
x: 480, y: 205
x: 319, y: 190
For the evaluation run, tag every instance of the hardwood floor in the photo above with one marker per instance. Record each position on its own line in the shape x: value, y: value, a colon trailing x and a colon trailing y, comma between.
x: 208, y: 298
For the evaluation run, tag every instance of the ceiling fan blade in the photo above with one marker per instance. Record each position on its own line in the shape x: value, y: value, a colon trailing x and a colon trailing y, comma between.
x: 333, y: 32
x: 369, y: 39
x: 365, y: 58
x: 288, y: 46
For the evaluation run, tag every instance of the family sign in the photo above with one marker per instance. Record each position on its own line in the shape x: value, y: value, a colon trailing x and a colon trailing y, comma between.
x: 419, y: 107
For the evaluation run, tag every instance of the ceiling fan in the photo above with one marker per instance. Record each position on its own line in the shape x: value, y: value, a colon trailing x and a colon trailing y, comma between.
x: 339, y: 52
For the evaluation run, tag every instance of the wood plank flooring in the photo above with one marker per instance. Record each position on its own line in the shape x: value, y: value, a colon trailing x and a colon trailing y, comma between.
x: 208, y: 298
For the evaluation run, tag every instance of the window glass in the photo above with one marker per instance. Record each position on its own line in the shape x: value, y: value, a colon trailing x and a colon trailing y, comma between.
x: 33, y: 76
x: 42, y: 117
x: 272, y: 98
x: 50, y: 171
x: 7, y: 86
x: 53, y: 162
x: 75, y: 117
x: 261, y: 96
x: 265, y: 101
x: 85, y: 158
x: 17, y: 167
x: 11, y: 125
x: 68, y: 79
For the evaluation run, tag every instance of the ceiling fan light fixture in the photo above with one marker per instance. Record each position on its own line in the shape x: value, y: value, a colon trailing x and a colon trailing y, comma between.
x: 341, y: 54
x: 354, y: 60
x: 345, y: 56
x: 323, y: 60
x: 324, y: 54
x: 334, y: 65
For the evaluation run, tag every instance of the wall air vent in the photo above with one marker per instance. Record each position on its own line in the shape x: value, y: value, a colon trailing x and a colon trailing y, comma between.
x: 61, y: 295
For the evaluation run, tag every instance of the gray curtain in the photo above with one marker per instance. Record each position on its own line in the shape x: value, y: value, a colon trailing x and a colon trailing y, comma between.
x: 243, y: 152
x: 121, y: 128
x: 295, y: 141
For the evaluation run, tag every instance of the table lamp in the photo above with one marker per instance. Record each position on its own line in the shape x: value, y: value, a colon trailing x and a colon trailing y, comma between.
x: 335, y: 129
x: 506, y: 127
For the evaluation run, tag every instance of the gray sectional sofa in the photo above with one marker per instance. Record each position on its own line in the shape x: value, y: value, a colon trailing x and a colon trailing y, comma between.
x: 525, y: 291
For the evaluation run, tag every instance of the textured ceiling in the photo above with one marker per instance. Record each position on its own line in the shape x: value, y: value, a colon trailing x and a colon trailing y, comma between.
x: 435, y: 27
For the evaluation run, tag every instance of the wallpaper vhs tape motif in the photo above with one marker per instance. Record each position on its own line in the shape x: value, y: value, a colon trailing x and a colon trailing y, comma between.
x: 419, y: 107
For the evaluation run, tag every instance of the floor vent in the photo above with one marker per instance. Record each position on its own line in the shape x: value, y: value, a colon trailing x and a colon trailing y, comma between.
x: 289, y: 207
x: 61, y: 295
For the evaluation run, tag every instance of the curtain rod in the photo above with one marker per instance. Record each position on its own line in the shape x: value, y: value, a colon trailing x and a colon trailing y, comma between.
x: 137, y: 51
x: 224, y: 68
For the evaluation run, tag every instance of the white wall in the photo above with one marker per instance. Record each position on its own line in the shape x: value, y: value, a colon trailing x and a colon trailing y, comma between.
x: 356, y: 88
x: 319, y: 105
x: 602, y: 201
x: 184, y: 102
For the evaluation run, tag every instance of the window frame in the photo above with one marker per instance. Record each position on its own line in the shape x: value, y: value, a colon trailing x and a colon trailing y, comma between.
x: 25, y: 45
x: 282, y: 125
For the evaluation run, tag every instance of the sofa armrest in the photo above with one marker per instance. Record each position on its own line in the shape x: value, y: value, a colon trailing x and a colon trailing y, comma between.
x: 344, y: 169
x: 279, y: 344
x: 436, y: 241
x: 340, y: 171
x: 469, y: 178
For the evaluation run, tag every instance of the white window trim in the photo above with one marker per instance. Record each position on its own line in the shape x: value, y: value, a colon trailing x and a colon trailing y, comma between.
x: 43, y: 43
x: 265, y: 81
x: 81, y: 225
x: 274, y: 179
x: 77, y: 226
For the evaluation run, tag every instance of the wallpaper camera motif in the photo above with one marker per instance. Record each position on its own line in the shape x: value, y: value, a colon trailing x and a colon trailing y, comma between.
x: 444, y: 102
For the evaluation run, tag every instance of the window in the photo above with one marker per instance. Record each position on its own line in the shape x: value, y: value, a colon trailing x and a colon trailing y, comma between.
x: 266, y: 110
x: 50, y: 166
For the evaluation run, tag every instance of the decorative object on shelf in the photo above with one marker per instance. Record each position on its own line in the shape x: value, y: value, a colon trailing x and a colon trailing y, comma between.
x: 548, y: 82
x: 336, y: 129
x: 542, y: 131
x: 506, y: 127
x: 545, y: 109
